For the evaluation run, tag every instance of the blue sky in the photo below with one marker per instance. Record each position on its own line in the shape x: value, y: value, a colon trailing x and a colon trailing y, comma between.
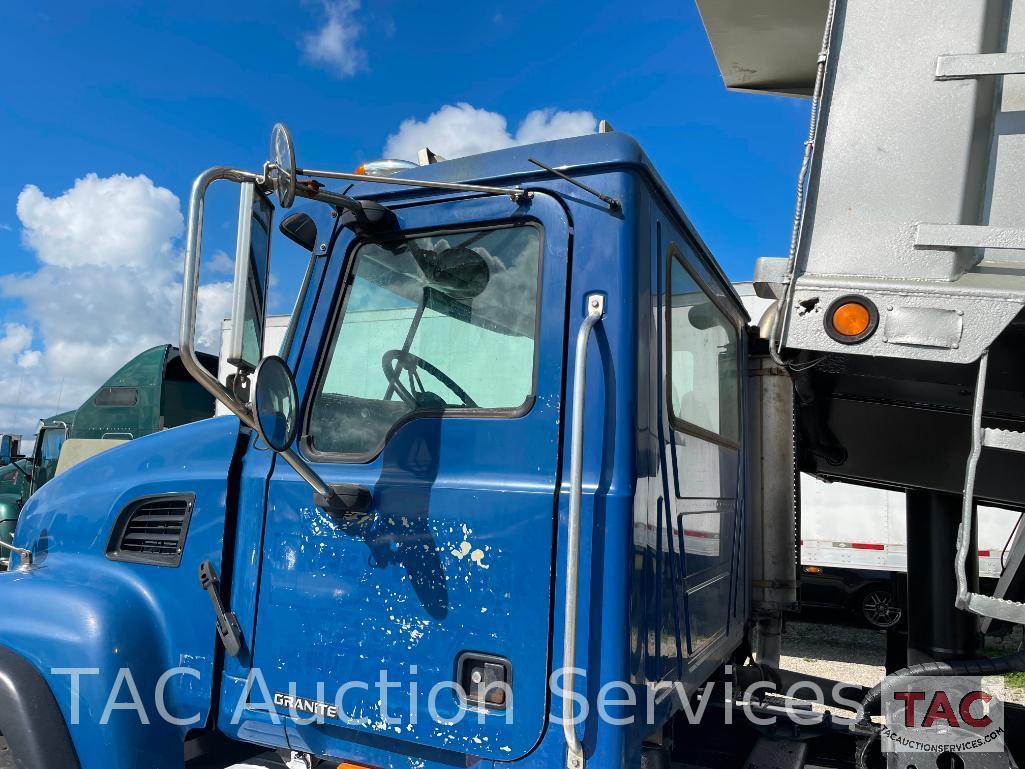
x: 166, y: 89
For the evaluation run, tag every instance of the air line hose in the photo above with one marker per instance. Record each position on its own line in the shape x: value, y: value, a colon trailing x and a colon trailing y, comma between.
x: 991, y: 666
x: 1011, y: 663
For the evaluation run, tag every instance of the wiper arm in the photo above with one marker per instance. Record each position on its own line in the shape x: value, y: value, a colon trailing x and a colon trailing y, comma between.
x: 611, y: 202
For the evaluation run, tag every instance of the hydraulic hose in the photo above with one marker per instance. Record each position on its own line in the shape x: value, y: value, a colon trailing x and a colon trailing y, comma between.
x: 1011, y: 663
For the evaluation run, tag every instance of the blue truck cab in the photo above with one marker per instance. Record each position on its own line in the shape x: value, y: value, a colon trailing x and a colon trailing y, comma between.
x: 506, y: 436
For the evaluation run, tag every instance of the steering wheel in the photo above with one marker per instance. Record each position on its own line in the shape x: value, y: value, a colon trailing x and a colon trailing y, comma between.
x: 394, y: 362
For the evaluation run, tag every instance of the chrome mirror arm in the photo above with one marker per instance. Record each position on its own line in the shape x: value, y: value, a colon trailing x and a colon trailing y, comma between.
x: 190, y: 287
x: 187, y: 327
x: 513, y: 192
x: 25, y: 555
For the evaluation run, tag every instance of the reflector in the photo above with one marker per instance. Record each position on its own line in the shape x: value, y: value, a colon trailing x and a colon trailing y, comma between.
x: 851, y: 319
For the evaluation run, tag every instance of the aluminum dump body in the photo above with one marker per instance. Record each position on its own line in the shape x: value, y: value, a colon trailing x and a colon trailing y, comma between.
x: 914, y: 197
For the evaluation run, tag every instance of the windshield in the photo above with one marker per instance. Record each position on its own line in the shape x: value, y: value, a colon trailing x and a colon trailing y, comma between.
x: 434, y: 323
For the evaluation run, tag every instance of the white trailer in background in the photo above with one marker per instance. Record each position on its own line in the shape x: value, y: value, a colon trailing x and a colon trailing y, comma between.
x: 273, y: 336
x: 864, y: 528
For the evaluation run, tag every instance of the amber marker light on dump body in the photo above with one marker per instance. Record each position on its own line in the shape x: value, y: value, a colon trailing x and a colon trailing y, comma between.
x: 851, y: 319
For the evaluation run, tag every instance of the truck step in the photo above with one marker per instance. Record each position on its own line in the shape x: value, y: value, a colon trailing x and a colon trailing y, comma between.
x: 1007, y: 440
x: 996, y: 608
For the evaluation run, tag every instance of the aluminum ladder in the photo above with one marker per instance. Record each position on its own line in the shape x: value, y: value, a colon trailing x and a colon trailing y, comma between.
x: 993, y: 607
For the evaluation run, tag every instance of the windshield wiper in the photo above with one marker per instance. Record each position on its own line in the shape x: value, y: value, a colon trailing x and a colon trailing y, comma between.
x: 611, y: 202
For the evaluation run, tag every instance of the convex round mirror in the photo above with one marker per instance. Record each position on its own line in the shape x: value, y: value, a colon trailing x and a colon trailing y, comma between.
x: 282, y: 155
x: 275, y: 401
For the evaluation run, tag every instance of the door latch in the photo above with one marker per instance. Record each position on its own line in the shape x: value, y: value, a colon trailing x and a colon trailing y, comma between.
x: 228, y: 629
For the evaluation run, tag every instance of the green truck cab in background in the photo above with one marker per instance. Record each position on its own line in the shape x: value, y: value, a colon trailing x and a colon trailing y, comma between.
x: 151, y: 392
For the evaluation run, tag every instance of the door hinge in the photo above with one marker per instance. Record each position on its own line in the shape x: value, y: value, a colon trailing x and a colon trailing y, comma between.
x: 228, y: 629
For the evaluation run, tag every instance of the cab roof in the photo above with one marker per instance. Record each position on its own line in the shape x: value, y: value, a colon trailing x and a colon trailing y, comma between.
x: 512, y: 165
x: 575, y: 156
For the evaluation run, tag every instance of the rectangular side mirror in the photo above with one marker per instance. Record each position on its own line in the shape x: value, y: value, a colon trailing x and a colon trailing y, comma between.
x: 252, y: 277
x: 10, y: 445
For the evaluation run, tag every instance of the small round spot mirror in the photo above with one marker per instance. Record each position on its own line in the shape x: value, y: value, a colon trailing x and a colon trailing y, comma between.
x: 275, y: 402
x: 282, y: 155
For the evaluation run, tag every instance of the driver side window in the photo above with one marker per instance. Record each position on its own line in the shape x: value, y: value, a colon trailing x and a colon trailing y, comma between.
x: 442, y: 323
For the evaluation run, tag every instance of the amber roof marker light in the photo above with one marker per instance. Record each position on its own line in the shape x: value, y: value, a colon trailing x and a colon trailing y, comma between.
x: 851, y: 319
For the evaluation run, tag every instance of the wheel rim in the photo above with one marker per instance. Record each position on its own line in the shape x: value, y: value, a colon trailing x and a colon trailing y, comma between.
x: 880, y: 610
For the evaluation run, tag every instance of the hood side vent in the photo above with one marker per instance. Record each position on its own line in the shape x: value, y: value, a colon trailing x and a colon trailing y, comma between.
x: 152, y: 530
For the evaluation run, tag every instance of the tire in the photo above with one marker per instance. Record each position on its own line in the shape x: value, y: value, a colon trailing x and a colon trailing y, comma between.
x: 878, y: 608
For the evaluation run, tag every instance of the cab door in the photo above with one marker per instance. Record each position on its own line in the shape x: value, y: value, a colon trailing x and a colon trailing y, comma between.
x: 431, y: 378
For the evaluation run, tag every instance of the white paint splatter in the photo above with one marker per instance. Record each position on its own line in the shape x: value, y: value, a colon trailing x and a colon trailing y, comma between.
x: 477, y: 556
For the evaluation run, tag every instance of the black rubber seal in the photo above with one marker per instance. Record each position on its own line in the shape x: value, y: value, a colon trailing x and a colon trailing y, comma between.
x: 873, y: 319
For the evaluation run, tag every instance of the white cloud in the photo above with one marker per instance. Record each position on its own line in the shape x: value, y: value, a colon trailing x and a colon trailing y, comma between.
x: 461, y: 129
x: 30, y: 359
x: 113, y: 222
x: 543, y: 125
x: 335, y: 45
x: 15, y: 340
x: 213, y: 306
x: 107, y: 286
x: 221, y: 262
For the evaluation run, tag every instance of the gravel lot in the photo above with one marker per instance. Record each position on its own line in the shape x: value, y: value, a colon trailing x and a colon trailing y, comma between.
x: 857, y: 655
x: 842, y: 653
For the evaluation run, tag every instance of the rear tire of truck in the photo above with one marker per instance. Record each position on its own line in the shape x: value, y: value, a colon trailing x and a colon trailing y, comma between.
x: 878, y: 608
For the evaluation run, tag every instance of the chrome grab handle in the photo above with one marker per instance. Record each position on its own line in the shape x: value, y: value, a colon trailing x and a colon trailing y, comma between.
x: 25, y: 555
x: 595, y: 312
